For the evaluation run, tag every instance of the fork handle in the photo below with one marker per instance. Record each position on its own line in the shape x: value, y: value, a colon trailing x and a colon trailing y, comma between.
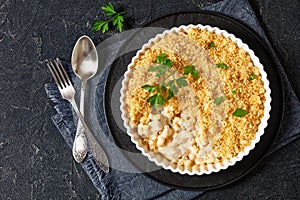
x: 97, y: 151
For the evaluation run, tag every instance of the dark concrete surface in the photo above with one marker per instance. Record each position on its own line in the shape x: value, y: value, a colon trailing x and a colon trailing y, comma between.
x: 35, y: 162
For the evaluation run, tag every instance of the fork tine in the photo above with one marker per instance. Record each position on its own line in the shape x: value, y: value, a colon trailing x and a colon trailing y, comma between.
x: 54, y: 74
x: 62, y: 73
x: 66, y: 75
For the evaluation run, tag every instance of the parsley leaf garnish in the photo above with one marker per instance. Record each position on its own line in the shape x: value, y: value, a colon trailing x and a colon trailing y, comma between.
x: 212, y: 45
x: 165, y: 65
x: 181, y: 82
x: 109, y: 9
x: 170, y: 94
x: 115, y: 17
x: 118, y: 20
x: 234, y: 91
x: 158, y: 98
x: 100, y: 24
x: 190, y: 69
x: 169, y: 85
x: 219, y: 100
x: 163, y: 60
x: 252, y: 77
x: 172, y: 85
x: 177, y: 83
x: 150, y: 88
x: 161, y: 69
x: 239, y: 112
x: 222, y: 66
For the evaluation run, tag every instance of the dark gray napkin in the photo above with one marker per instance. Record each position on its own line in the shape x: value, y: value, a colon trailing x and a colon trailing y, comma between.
x: 121, y: 185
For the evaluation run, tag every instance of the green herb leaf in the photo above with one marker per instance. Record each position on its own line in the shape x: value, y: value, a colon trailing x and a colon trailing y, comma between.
x: 252, y: 77
x: 172, y: 86
x: 115, y: 18
x: 170, y: 94
x: 212, y: 45
x: 234, y: 91
x: 120, y: 21
x: 157, y: 99
x: 219, y: 100
x: 105, y: 27
x: 161, y: 69
x: 162, y: 59
x: 163, y: 88
x: 161, y: 100
x: 222, y: 66
x: 239, y: 112
x: 153, y: 99
x: 150, y: 88
x: 190, y: 69
x: 98, y: 25
x: 181, y: 82
x: 168, y: 63
x: 152, y: 69
x: 109, y: 9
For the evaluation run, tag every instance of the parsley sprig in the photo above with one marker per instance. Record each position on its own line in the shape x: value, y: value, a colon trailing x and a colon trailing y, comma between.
x: 115, y: 17
x: 169, y: 85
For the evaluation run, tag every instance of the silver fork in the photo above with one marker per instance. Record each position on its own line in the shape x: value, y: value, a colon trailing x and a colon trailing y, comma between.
x: 68, y: 92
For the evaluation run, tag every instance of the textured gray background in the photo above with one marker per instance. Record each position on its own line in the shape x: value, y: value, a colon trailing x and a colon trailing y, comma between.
x: 35, y: 162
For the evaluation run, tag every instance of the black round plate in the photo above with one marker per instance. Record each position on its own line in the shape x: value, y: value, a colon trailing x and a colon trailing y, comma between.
x: 240, y: 169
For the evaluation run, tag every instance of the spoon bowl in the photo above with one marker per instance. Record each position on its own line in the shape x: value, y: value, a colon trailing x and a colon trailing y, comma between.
x: 84, y: 58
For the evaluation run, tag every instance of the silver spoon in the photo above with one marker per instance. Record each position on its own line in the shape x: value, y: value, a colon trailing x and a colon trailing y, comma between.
x: 85, y: 65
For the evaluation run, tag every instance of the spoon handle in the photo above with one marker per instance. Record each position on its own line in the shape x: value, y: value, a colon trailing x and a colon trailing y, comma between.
x: 80, y: 142
x: 80, y: 129
x: 96, y: 149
